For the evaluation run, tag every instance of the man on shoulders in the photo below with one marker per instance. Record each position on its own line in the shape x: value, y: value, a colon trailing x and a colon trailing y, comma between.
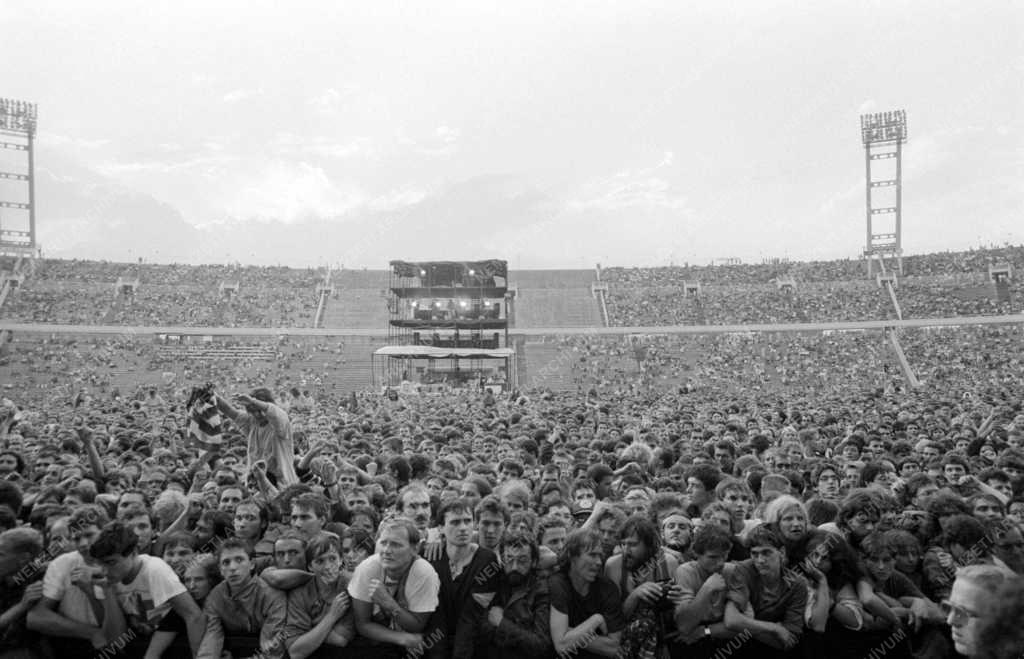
x: 269, y: 432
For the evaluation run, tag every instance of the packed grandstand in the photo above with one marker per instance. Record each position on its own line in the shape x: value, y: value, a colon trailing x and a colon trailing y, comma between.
x: 779, y: 463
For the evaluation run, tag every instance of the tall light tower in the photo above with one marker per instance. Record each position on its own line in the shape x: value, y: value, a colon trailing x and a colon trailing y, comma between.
x: 883, y: 135
x: 17, y: 133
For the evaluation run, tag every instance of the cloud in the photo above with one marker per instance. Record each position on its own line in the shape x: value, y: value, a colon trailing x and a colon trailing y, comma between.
x: 630, y: 189
x: 59, y: 141
x: 289, y: 192
x: 326, y: 102
x: 867, y: 107
x: 238, y: 95
x: 290, y: 144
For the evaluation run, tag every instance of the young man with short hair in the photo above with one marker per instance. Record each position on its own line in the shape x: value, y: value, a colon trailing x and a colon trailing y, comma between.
x: 70, y: 613
x: 776, y: 597
x: 243, y: 608
x: 700, y: 610
x: 146, y: 587
x: 468, y: 575
x: 309, y: 514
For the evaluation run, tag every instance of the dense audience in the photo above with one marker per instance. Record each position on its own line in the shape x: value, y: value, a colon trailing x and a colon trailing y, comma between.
x: 85, y: 292
x: 933, y: 286
x: 783, y: 496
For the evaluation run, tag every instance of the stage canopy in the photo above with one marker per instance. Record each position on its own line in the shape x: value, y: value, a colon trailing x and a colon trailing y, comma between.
x: 430, y: 352
x: 448, y: 273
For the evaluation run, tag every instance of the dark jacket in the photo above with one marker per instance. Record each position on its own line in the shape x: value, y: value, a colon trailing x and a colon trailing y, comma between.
x: 525, y: 629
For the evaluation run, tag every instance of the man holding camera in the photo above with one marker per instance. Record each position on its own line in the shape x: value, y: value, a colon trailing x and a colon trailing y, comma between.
x: 643, y: 573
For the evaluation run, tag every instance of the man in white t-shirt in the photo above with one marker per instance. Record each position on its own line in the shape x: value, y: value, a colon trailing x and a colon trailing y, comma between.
x: 394, y: 592
x: 146, y: 587
x: 76, y: 594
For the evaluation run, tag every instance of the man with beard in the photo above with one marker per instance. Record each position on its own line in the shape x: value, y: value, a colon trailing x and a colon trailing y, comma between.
x: 469, y: 577
x: 394, y: 593
x: 243, y: 608
x: 643, y: 574
x: 517, y: 623
x: 586, y: 610
x: 641, y: 568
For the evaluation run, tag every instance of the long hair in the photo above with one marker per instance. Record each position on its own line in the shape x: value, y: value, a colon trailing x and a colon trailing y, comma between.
x: 578, y: 543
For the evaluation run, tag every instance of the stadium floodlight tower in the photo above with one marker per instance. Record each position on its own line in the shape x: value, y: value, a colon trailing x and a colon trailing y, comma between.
x: 883, y: 135
x: 17, y: 189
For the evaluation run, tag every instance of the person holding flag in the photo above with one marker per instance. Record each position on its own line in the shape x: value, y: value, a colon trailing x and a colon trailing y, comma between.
x: 269, y: 433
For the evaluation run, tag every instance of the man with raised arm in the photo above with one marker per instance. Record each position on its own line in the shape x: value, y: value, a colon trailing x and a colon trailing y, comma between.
x: 269, y: 432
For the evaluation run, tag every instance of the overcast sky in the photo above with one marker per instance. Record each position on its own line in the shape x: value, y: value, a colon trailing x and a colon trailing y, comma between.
x: 552, y: 134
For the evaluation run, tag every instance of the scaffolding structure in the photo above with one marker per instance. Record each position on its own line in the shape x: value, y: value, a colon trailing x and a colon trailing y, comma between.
x: 18, y: 120
x: 451, y: 320
x: 883, y: 135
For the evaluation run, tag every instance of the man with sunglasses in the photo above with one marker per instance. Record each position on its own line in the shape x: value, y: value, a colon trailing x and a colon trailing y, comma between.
x: 970, y: 603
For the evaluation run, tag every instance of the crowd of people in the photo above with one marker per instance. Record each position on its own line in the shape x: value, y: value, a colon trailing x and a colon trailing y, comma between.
x: 789, y: 494
x: 85, y: 292
x: 933, y: 286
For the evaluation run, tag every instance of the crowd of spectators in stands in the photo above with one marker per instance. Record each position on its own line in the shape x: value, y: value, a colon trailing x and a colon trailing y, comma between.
x: 85, y: 292
x: 790, y: 495
x: 933, y: 286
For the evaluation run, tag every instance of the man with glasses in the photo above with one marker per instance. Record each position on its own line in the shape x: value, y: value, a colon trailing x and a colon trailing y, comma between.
x: 970, y: 603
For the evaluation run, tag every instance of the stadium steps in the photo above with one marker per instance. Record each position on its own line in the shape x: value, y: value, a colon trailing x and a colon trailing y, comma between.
x: 119, y: 303
x: 1003, y: 292
x: 557, y: 307
x: 548, y: 366
x: 519, y: 344
x: 263, y: 352
x: 552, y: 278
x: 372, y: 279
x: 359, y: 308
x: 356, y: 373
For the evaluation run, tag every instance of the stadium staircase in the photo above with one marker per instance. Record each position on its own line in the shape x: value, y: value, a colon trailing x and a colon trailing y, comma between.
x: 548, y: 366
x: 1003, y: 295
x: 117, y: 305
x: 555, y: 298
x: 357, y: 371
x: 519, y: 345
x: 214, y: 351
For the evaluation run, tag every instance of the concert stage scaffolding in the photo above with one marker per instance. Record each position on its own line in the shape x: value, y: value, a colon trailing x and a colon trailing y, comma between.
x: 456, y: 309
